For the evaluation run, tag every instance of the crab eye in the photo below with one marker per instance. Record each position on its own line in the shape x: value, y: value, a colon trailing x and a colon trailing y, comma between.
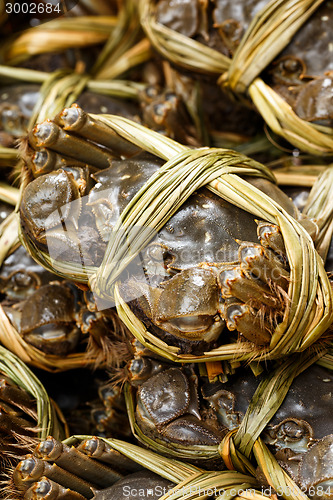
x: 159, y: 109
x: 192, y: 323
x: 170, y: 96
x: 292, y: 65
x: 292, y: 430
x: 23, y: 280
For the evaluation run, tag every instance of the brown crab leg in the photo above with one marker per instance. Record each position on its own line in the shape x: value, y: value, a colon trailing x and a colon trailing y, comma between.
x: 15, y: 425
x: 261, y: 262
x: 50, y: 490
x: 99, y: 449
x: 270, y: 236
x: 32, y: 469
x: 75, y: 462
x: 49, y: 135
x: 74, y: 119
x: 45, y: 161
x: 234, y: 283
x: 242, y: 318
x: 17, y: 397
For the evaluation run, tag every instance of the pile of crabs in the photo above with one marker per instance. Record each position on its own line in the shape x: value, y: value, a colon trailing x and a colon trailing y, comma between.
x: 167, y: 294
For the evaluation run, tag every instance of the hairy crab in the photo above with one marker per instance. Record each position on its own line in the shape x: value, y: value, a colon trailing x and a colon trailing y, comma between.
x: 180, y: 413
x: 212, y: 264
x: 53, y: 315
x: 301, y: 73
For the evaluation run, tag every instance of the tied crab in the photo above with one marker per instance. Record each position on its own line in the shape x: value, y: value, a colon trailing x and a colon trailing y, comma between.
x: 211, y: 266
x: 54, y: 316
x: 301, y: 73
x: 175, y: 410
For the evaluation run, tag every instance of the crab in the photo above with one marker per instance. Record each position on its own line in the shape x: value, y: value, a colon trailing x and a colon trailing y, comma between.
x: 300, y: 434
x: 165, y: 111
x: 301, y: 73
x: 169, y: 412
x: 176, y: 408
x: 55, y: 316
x: 91, y: 470
x: 212, y: 265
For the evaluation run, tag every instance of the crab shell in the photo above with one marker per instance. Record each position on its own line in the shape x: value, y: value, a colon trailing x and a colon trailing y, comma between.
x: 169, y: 412
x: 20, y: 275
x: 143, y: 483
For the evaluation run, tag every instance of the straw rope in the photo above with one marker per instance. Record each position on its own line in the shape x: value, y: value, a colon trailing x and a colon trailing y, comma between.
x: 191, y: 482
x: 21, y: 375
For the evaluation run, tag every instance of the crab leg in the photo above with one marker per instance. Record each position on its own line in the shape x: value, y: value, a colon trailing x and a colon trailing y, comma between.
x: 263, y: 263
x: 17, y: 397
x: 75, y: 462
x: 15, y: 425
x: 74, y: 119
x: 270, y: 236
x: 49, y: 490
x: 46, y: 160
x: 99, y: 449
x: 49, y: 135
x: 234, y: 283
x: 32, y: 469
x: 242, y: 317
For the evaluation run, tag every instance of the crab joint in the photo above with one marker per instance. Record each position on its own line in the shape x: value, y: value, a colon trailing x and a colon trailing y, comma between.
x: 49, y: 135
x: 241, y: 317
x: 99, y: 449
x: 234, y: 283
x: 32, y: 469
x: 73, y: 460
x: 50, y: 490
x: 74, y: 119
x: 270, y: 236
x: 263, y: 264
x: 45, y: 161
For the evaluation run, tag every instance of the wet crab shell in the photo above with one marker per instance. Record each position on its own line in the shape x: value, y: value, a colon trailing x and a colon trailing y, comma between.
x: 20, y: 275
x: 168, y: 415
x: 46, y: 319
